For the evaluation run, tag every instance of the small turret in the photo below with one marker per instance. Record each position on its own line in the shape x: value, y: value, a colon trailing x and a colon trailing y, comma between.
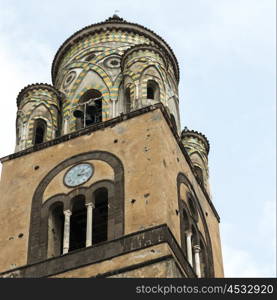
x: 197, y: 146
x: 37, y: 116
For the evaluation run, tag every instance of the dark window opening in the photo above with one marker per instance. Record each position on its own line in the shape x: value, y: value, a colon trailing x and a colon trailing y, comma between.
x: 40, y: 130
x: 186, y: 220
x: 90, y: 110
x: 152, y: 90
x: 192, y: 207
x: 78, y: 223
x: 128, y: 100
x: 55, y: 230
x: 199, y: 175
x: 90, y: 56
x: 100, y: 216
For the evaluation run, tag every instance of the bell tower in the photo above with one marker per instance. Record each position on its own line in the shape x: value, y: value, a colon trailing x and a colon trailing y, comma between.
x: 103, y: 181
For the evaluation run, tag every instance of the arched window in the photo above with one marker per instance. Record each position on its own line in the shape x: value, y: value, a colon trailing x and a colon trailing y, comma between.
x: 89, y: 110
x: 153, y: 91
x: 100, y: 216
x: 55, y: 229
x: 128, y: 99
x: 78, y: 223
x: 40, y: 127
x: 199, y: 175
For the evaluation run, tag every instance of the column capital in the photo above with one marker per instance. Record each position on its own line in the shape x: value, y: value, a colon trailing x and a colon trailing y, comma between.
x: 90, y: 204
x: 196, y: 248
x: 188, y: 233
x: 67, y: 212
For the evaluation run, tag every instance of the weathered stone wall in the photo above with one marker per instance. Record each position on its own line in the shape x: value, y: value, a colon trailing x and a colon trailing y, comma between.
x: 151, y: 198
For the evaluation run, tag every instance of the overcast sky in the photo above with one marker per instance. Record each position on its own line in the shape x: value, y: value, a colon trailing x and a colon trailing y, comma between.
x: 226, y: 52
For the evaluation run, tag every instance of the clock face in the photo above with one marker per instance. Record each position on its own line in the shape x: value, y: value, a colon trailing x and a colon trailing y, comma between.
x: 78, y: 174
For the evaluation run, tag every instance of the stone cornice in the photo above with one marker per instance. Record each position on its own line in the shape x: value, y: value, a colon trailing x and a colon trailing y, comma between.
x: 117, y: 247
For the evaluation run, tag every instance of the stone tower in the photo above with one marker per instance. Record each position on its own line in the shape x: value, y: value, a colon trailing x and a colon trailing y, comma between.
x: 103, y: 182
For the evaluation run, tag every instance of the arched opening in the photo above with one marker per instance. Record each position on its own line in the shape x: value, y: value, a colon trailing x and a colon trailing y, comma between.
x: 100, y: 216
x: 172, y: 118
x: 199, y: 175
x: 153, y: 90
x: 128, y: 100
x: 194, y: 242
x: 192, y: 207
x: 55, y: 229
x: 40, y: 127
x: 78, y: 222
x: 203, y: 259
x: 89, y: 110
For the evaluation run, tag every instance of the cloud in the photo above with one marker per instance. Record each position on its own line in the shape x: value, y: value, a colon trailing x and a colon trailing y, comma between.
x: 22, y: 65
x: 241, y: 263
x: 252, y: 256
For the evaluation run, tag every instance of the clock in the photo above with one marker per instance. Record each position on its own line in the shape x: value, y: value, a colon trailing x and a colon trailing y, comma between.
x: 78, y: 174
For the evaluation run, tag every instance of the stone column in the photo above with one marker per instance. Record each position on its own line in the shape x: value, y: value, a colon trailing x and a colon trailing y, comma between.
x: 89, y: 206
x: 66, y: 125
x: 189, y: 248
x: 113, y: 108
x: 197, y: 249
x: 66, y: 232
x: 136, y: 104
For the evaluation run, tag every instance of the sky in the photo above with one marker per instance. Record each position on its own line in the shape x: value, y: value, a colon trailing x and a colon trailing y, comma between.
x: 227, y: 56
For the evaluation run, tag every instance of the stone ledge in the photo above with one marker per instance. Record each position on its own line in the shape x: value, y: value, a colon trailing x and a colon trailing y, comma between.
x: 104, y: 251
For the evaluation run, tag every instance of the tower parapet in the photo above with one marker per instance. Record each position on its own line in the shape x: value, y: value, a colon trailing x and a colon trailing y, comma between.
x: 198, y: 147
